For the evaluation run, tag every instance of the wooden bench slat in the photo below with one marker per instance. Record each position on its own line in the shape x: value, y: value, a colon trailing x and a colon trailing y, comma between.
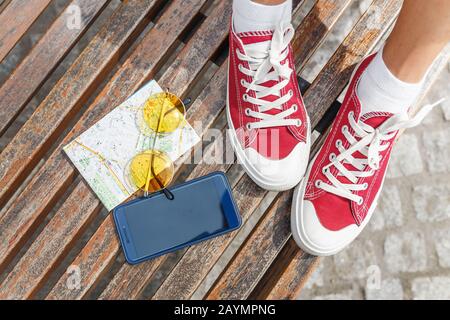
x: 316, y: 26
x: 28, y: 275
x: 145, y: 57
x: 249, y: 263
x: 289, y: 275
x: 45, y: 56
x: 16, y: 19
x: 199, y: 48
x: 288, y: 281
x: 250, y: 258
x: 3, y: 5
x: 71, y: 91
x: 21, y: 218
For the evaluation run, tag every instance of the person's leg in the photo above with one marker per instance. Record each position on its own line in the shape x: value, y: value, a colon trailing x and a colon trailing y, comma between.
x: 336, y: 200
x: 395, y: 77
x: 421, y: 32
x: 257, y: 15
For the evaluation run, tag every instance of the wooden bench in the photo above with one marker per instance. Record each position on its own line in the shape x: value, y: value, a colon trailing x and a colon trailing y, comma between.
x: 50, y: 219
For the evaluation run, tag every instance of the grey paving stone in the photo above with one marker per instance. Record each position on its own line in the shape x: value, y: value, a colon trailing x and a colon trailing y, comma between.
x: 446, y: 109
x: 436, y: 288
x: 389, y: 211
x: 437, y: 151
x: 406, y: 158
x: 432, y: 202
x: 390, y: 289
x: 405, y: 252
x: 344, y: 295
x: 316, y: 279
x: 442, y: 244
x: 353, y: 262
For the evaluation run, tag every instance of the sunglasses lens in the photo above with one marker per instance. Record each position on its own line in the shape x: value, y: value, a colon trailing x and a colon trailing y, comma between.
x: 151, y: 170
x: 164, y: 112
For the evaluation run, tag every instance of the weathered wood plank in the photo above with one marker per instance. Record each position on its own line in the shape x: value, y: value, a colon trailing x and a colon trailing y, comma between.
x: 53, y: 242
x: 3, y: 5
x: 72, y: 90
x: 289, y: 274
x: 45, y: 56
x: 315, y: 27
x: 256, y: 253
x: 138, y: 59
x: 192, y: 58
x: 246, y: 268
x: 14, y: 25
x: 21, y: 218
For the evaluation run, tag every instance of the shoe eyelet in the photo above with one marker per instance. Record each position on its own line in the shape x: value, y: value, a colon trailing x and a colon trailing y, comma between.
x: 360, y: 201
x: 247, y: 111
x: 294, y: 107
x: 350, y: 114
x: 240, y: 66
x: 299, y: 123
x: 332, y: 157
x: 325, y: 170
x: 318, y: 183
x: 365, y: 186
x: 245, y: 97
x: 248, y: 126
x: 291, y: 93
x: 338, y: 143
x: 344, y: 129
x: 243, y: 82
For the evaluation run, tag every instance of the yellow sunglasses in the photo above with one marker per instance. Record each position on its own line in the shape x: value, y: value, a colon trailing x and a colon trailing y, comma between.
x: 152, y: 170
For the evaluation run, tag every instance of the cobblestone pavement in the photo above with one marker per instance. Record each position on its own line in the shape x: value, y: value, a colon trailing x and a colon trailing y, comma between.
x: 404, y: 253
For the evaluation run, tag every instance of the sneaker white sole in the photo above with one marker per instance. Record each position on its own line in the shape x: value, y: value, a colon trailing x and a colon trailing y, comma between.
x: 250, y: 170
x: 297, y: 226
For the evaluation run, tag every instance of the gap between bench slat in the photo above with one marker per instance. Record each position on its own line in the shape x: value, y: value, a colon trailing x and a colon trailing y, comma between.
x: 40, y: 62
x: 40, y: 194
x: 16, y: 19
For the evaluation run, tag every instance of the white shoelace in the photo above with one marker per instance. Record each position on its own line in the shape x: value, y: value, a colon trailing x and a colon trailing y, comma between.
x: 370, y: 145
x: 265, y: 65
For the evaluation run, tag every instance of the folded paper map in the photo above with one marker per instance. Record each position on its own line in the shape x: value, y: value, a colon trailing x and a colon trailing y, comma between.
x: 102, y: 153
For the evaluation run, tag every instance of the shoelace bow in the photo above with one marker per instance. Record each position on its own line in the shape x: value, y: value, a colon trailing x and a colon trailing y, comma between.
x: 370, y: 146
x: 265, y: 65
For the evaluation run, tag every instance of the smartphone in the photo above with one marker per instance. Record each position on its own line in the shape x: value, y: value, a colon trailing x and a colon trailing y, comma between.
x: 201, y: 209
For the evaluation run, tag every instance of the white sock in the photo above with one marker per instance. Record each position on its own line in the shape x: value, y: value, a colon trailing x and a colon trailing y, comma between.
x: 380, y: 91
x: 252, y: 16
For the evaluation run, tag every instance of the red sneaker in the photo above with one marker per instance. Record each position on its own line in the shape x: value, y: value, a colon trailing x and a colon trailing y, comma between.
x: 269, y: 127
x: 341, y: 187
